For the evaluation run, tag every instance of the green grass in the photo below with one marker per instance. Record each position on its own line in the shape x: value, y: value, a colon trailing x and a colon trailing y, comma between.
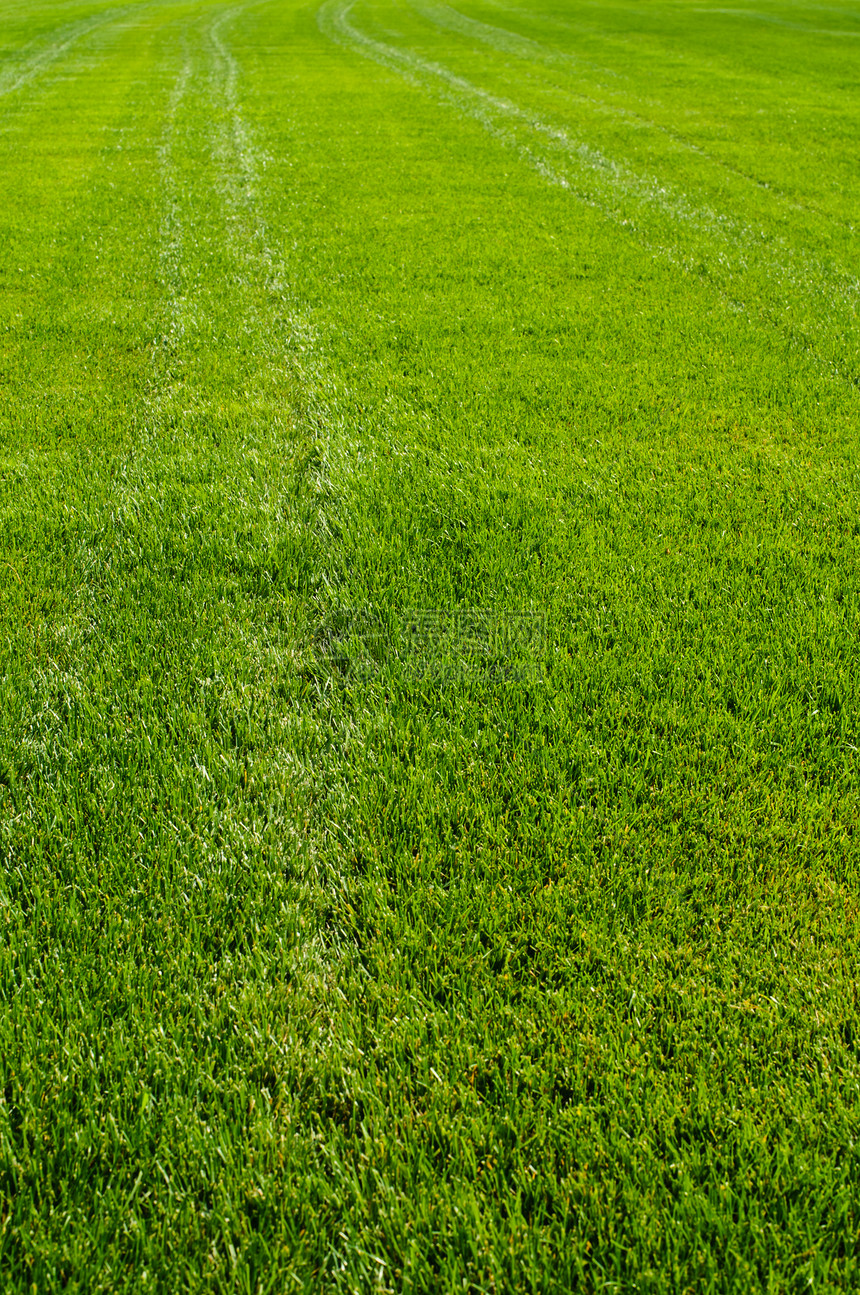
x: 429, y: 537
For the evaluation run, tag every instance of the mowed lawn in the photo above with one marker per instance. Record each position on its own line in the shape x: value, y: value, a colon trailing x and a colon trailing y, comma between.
x: 429, y: 692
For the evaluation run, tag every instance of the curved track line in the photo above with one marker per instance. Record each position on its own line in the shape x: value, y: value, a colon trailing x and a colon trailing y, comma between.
x: 63, y: 38
x: 445, y: 17
x: 503, y: 40
x: 665, y: 219
x: 495, y: 112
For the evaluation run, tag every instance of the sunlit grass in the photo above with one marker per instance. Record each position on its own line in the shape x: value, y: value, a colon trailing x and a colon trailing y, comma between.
x: 428, y: 560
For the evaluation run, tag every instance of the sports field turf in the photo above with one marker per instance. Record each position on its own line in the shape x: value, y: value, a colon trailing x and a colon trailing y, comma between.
x: 429, y: 693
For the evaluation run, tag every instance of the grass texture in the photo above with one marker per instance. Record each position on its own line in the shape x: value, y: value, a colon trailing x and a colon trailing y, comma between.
x: 429, y: 537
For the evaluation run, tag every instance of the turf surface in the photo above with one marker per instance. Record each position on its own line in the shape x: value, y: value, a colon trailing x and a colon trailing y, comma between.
x: 429, y: 585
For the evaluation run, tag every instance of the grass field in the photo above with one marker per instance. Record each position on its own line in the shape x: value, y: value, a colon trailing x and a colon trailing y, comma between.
x: 429, y: 704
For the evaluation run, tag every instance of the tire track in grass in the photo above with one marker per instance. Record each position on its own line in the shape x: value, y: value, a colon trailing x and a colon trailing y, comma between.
x: 209, y: 838
x: 184, y: 747
x: 754, y: 273
x: 527, y: 48
x: 288, y: 494
x: 498, y: 115
x: 504, y: 41
x: 332, y: 1073
x: 48, y: 51
x: 116, y: 842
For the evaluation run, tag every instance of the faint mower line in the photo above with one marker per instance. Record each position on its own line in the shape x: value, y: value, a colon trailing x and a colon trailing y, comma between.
x: 689, y: 236
x: 27, y: 69
x: 524, y: 47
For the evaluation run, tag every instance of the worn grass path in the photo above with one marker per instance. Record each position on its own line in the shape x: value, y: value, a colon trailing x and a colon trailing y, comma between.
x: 428, y: 580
